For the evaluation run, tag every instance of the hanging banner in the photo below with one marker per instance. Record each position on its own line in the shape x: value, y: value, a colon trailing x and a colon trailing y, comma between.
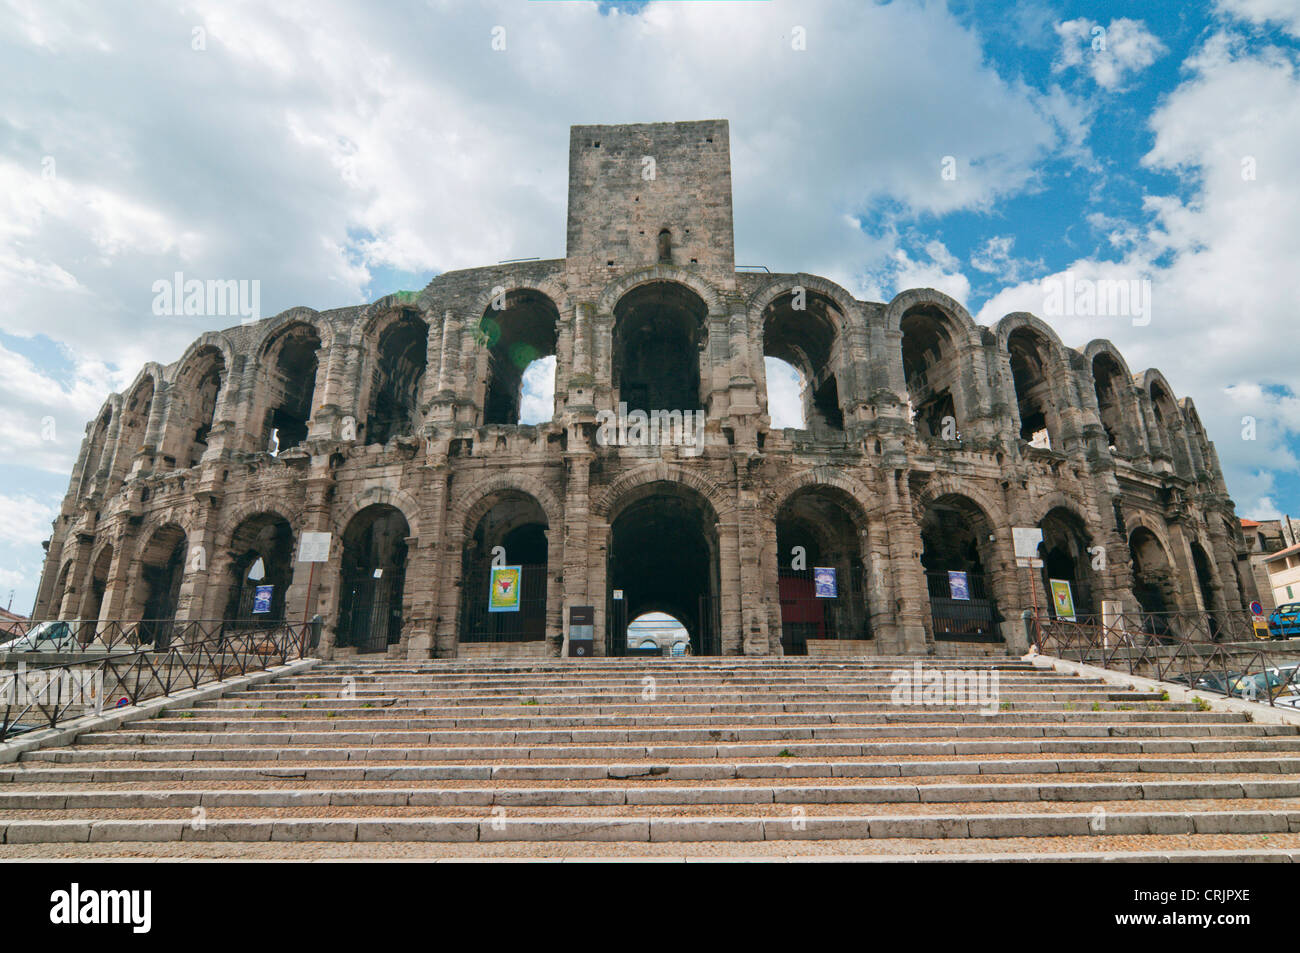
x: 262, y: 600
x: 1063, y: 599
x: 959, y: 585
x: 824, y: 582
x: 503, y: 596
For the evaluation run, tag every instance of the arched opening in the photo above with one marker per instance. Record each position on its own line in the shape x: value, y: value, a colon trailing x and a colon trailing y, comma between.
x: 517, y: 337
x: 1064, y: 551
x: 657, y: 633
x: 95, y: 453
x: 785, y: 390
x: 665, y: 247
x: 1154, y: 585
x: 1029, y: 353
x: 516, y: 611
x: 820, y: 569
x: 663, y: 557
x: 198, y: 388
x: 800, y: 330
x: 261, y: 556
x: 55, y: 610
x: 162, y: 567
x: 1210, y: 600
x: 397, y: 371
x: 659, y: 330
x: 373, y: 579
x: 291, y: 381
x: 1113, y: 391
x: 1169, y: 426
x: 932, y: 370
x: 956, y: 554
x: 135, y: 421
x: 99, y: 569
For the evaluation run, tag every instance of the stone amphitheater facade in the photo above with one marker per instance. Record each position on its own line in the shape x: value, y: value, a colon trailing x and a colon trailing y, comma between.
x: 396, y: 429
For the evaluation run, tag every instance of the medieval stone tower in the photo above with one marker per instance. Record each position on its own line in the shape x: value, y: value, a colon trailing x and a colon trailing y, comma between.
x: 882, y: 525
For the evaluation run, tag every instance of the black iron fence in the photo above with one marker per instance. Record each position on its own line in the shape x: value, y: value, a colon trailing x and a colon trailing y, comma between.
x: 41, y: 696
x: 1220, y: 652
x: 527, y: 624
x: 962, y: 609
x: 89, y: 636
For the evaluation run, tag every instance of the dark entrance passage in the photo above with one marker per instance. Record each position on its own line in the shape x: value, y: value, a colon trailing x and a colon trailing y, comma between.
x: 1064, y: 551
x: 515, y: 529
x: 374, y: 574
x: 261, y: 555
x: 819, y: 528
x: 954, y: 533
x: 161, y: 571
x: 663, y: 557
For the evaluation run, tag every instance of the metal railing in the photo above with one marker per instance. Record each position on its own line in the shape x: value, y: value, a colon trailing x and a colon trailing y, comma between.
x: 77, y: 635
x: 43, y: 696
x: 1217, y: 652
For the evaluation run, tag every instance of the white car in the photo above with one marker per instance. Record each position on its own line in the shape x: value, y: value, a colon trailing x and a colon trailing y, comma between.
x: 47, y: 637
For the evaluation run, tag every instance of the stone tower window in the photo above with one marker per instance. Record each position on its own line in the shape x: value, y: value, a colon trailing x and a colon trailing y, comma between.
x: 666, y: 246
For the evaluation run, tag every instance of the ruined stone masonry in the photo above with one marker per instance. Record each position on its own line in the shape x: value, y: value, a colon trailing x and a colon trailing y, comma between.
x: 395, y: 428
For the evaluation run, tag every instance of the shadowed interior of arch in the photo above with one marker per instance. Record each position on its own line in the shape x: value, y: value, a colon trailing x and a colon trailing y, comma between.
x: 799, y: 330
x: 517, y: 337
x: 662, y: 556
x: 659, y: 329
x: 373, y: 578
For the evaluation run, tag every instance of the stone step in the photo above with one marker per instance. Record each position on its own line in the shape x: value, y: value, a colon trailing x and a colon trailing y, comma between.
x: 652, y: 828
x: 794, y: 749
x: 295, y: 719
x: 638, y: 771
x: 659, y: 795
x: 325, y: 734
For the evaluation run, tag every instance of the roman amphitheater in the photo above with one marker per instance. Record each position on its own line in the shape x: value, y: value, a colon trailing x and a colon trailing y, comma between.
x: 395, y: 428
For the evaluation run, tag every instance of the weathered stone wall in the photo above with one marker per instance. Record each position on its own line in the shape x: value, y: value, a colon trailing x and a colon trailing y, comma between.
x: 132, y: 495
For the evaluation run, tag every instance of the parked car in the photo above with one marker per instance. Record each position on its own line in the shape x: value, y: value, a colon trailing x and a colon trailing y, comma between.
x: 55, y: 636
x: 1284, y: 621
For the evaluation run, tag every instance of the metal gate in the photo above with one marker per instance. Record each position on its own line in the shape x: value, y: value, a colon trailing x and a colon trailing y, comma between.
x: 373, y: 621
x: 971, y: 616
x: 527, y: 624
x: 615, y: 627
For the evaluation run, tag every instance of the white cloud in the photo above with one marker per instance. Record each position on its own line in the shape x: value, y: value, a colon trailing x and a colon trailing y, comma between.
x: 25, y: 520
x: 538, y: 392
x: 1282, y: 12
x: 1107, y: 52
x: 784, y: 406
x: 1221, y: 262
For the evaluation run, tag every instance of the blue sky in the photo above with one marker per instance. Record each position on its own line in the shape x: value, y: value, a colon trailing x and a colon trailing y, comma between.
x: 342, y: 153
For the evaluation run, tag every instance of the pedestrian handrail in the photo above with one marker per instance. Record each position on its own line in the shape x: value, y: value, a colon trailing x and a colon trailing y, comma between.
x: 47, y: 695
x: 1219, y: 652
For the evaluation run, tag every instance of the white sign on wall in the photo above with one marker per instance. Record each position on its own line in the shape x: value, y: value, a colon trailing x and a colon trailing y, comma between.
x: 1026, y: 540
x: 314, y: 547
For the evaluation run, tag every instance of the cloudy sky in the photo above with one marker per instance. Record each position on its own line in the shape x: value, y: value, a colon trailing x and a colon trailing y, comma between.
x: 337, y: 152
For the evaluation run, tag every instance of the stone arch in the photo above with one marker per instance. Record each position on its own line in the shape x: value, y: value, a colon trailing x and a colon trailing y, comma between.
x: 274, y: 327
x: 1037, y: 366
x: 512, y: 338
x: 810, y: 341
x: 474, y: 504
x: 1118, y: 407
x: 233, y: 517
x: 912, y: 298
x: 607, y: 504
x: 289, y: 378
x: 99, y: 448
x: 852, y: 488
x: 546, y: 287
x: 398, y: 499
x: 848, y: 305
x: 953, y: 485
x: 393, y: 365
x: 617, y: 290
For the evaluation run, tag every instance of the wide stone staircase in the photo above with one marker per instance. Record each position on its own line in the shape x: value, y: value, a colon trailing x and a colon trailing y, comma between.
x: 692, y: 758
